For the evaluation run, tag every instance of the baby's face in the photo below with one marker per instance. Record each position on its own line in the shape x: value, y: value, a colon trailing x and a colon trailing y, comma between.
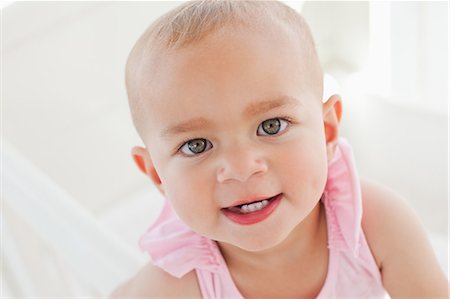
x: 232, y: 121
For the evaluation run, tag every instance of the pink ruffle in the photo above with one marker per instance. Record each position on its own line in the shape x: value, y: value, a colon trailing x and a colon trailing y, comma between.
x: 342, y: 196
x: 177, y: 249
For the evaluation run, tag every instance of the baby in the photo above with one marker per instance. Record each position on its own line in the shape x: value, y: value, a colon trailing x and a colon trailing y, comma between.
x: 262, y: 196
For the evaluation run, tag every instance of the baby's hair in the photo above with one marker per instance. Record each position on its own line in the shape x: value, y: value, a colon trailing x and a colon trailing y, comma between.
x: 192, y: 21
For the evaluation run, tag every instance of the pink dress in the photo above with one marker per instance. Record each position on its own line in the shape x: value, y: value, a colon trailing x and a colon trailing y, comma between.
x: 352, y: 271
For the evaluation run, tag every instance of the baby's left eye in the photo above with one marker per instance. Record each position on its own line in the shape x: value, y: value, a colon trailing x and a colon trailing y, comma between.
x: 272, y: 126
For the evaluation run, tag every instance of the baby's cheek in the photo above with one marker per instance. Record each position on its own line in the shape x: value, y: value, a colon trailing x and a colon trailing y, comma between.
x: 305, y: 167
x: 178, y: 193
x: 189, y: 196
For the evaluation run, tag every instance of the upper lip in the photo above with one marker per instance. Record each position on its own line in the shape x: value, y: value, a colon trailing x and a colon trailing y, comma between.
x: 251, y: 199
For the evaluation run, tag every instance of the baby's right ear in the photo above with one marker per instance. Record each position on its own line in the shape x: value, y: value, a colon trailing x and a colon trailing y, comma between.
x: 145, y: 164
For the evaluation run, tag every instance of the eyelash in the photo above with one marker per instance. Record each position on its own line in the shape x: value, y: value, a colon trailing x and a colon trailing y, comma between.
x: 286, y: 119
x: 280, y: 119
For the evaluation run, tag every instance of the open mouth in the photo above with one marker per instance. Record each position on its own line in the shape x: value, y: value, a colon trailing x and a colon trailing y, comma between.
x: 254, y: 212
x: 252, y: 207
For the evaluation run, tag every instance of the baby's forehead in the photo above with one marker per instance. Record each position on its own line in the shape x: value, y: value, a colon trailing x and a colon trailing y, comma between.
x: 191, y: 23
x: 219, y: 51
x: 187, y: 29
x: 166, y: 73
x: 231, y: 38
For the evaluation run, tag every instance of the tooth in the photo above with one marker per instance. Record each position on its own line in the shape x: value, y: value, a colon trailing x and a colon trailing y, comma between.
x: 254, y: 206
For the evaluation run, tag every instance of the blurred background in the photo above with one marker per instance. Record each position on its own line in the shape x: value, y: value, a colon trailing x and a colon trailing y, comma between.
x: 73, y: 202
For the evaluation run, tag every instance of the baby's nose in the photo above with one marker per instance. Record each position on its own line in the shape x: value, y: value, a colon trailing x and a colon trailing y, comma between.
x: 240, y: 165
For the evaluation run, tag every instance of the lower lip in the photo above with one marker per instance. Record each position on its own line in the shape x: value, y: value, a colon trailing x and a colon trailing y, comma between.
x: 254, y: 217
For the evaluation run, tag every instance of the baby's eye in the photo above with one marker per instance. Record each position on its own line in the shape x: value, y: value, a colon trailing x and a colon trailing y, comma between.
x: 272, y: 126
x: 195, y: 146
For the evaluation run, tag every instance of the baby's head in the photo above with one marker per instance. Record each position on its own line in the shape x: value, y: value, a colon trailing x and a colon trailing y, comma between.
x: 227, y: 98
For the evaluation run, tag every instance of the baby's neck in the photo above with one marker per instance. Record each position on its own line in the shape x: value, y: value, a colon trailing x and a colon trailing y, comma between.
x: 305, y: 249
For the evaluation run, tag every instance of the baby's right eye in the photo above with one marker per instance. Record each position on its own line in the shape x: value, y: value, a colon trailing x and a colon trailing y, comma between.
x: 195, y: 146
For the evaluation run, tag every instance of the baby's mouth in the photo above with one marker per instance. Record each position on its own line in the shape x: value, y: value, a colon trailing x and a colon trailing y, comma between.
x: 253, y: 212
x: 252, y: 207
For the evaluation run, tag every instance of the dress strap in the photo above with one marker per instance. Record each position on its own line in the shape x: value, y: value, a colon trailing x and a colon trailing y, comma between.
x: 342, y: 196
x: 177, y: 249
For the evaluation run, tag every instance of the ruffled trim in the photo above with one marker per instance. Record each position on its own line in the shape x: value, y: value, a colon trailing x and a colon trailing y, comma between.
x: 342, y: 199
x: 176, y: 249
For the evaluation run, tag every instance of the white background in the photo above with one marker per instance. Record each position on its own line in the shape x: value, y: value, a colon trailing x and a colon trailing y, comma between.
x: 64, y: 107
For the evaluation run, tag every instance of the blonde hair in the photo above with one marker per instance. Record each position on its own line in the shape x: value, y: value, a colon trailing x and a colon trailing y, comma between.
x: 194, y: 20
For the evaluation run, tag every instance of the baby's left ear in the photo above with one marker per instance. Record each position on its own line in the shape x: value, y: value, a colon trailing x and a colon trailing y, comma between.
x: 332, y: 112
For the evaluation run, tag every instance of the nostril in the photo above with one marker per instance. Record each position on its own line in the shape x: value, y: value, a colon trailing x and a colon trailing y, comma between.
x: 221, y: 175
x: 262, y: 166
x: 241, y: 172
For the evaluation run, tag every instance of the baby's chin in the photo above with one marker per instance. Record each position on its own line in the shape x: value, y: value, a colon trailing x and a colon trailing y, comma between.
x: 255, y: 244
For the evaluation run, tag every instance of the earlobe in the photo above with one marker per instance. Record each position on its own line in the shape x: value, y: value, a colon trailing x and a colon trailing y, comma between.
x: 138, y: 153
x: 145, y: 164
x: 332, y: 113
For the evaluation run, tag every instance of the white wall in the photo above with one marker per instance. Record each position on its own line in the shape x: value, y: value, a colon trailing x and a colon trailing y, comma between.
x: 64, y: 100
x: 391, y: 59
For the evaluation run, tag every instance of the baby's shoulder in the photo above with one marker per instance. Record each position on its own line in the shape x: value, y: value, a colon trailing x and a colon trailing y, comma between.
x: 153, y: 282
x: 400, y: 245
x: 378, y: 200
x: 389, y: 223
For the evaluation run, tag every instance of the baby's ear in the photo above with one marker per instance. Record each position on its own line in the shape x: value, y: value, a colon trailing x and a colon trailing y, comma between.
x: 332, y: 112
x: 145, y: 164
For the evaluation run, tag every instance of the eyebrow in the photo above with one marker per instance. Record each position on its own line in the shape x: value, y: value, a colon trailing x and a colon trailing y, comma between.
x: 255, y: 108
x: 187, y: 126
x: 262, y: 106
